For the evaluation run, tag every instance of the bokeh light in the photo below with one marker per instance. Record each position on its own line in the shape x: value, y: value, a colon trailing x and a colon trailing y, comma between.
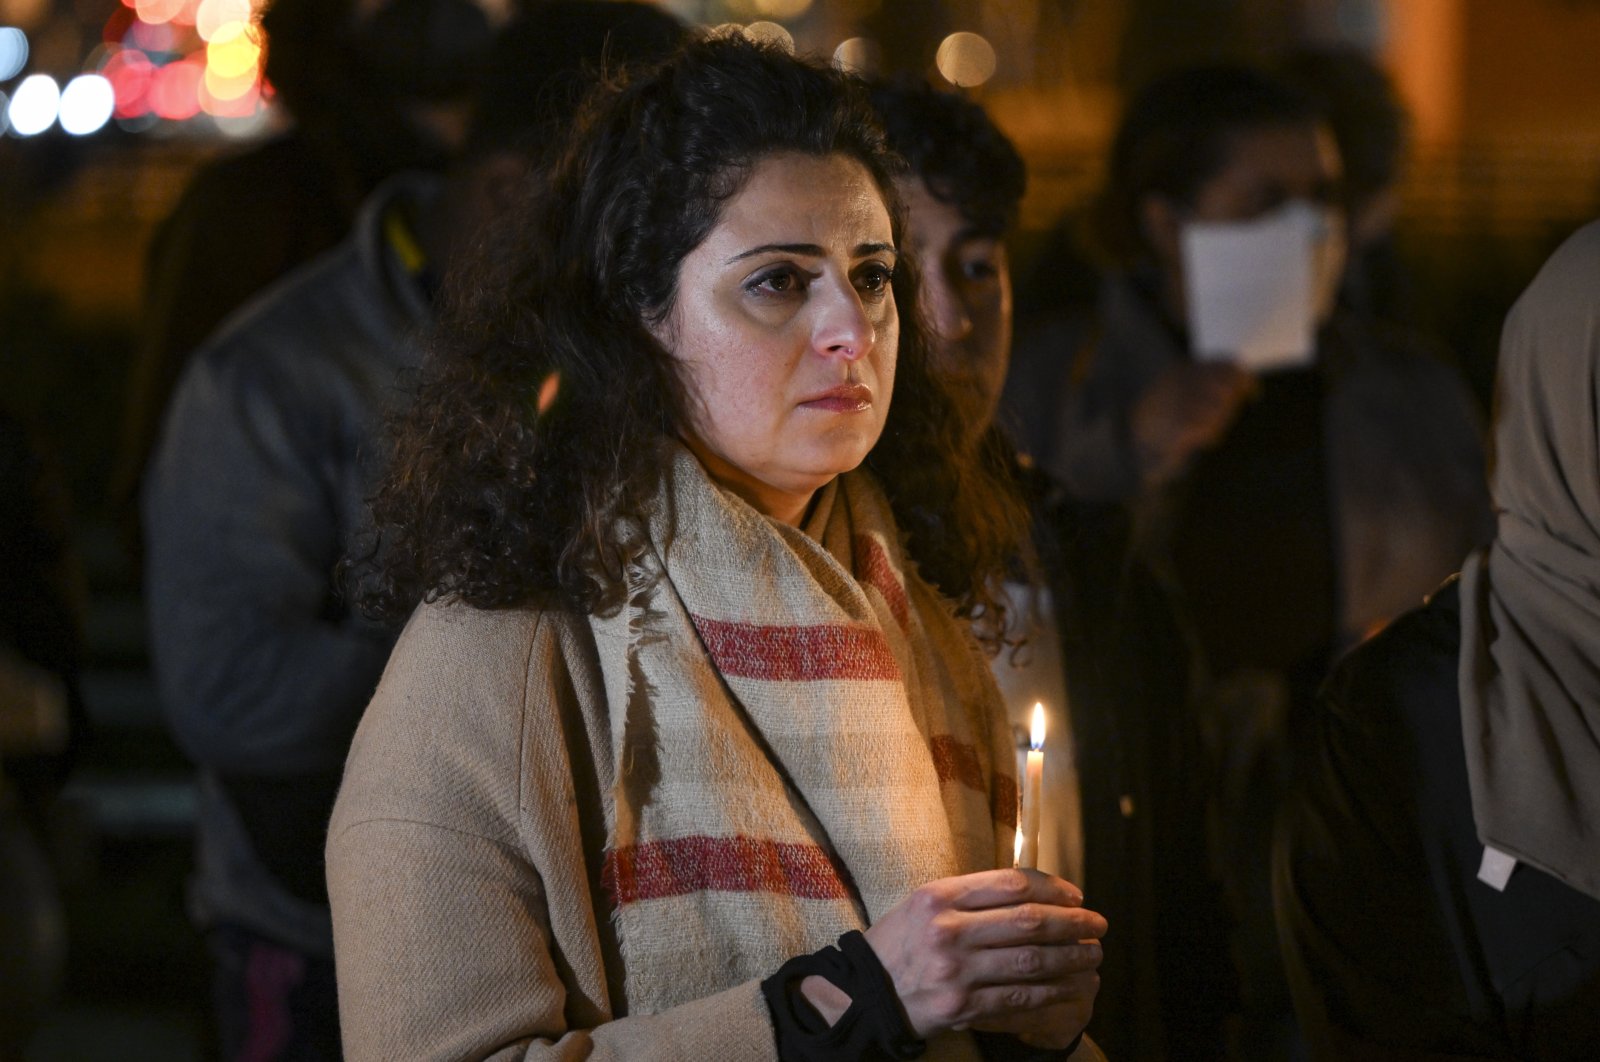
x: 86, y: 104
x: 175, y: 90
x: 238, y: 103
x: 251, y: 125
x: 782, y: 8
x: 770, y: 33
x: 233, y: 53
x: 13, y: 52
x: 5, y: 119
x: 155, y: 39
x: 965, y: 59
x: 858, y: 55
x: 214, y: 15
x: 130, y: 72
x: 28, y: 14
x: 34, y: 105
x: 221, y: 88
x: 157, y: 12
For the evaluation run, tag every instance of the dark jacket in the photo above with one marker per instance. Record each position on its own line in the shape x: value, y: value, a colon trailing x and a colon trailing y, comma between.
x: 1390, y: 490
x: 1167, y: 983
x: 268, y: 454
x: 1395, y: 949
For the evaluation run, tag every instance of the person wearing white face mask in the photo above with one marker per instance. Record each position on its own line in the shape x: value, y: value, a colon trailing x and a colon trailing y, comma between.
x: 1300, y: 481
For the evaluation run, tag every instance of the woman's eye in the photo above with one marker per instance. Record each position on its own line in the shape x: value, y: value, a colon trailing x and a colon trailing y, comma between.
x: 981, y: 269
x: 776, y: 282
x: 875, y: 278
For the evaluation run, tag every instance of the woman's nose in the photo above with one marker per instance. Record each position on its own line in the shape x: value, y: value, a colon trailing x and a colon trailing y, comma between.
x: 843, y: 328
x: 947, y: 314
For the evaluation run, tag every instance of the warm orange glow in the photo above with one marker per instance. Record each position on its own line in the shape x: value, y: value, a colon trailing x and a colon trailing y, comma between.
x: 548, y: 392
x: 1036, y: 733
x: 1425, y: 57
x: 228, y: 88
x: 232, y: 53
x: 241, y: 104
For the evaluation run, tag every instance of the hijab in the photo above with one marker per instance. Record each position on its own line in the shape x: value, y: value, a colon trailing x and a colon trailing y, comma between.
x: 1530, y: 622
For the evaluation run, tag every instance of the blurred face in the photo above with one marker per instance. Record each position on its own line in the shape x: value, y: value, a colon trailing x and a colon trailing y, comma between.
x: 1268, y: 167
x: 965, y: 291
x: 785, y: 331
x: 1265, y: 169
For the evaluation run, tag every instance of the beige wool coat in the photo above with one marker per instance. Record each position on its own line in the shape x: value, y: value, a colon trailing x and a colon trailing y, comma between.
x: 505, y: 710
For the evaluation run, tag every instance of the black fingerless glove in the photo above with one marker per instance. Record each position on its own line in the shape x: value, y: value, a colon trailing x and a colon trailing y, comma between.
x: 874, y: 1027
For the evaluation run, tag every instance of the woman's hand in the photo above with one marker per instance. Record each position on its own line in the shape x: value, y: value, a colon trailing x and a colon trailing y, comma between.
x: 1001, y: 950
x: 1188, y: 408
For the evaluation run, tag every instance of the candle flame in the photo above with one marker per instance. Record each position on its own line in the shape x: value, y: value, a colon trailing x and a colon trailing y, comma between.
x: 1036, y: 739
x: 1016, y: 849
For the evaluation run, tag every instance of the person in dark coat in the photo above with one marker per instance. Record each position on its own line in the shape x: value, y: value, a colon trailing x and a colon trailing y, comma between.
x: 1123, y: 815
x: 1289, y: 510
x: 1438, y: 876
x: 272, y: 443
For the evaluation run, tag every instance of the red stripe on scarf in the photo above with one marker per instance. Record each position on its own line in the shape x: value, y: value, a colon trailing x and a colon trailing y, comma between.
x: 873, y: 569
x: 797, y: 654
x: 957, y: 761
x: 1004, y: 801
x: 658, y: 869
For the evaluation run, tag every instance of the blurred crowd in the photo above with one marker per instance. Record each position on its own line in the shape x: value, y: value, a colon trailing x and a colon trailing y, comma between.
x: 1247, y: 468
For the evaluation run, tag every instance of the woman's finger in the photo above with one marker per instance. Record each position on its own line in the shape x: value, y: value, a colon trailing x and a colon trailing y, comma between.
x: 1006, y: 888
x: 990, y: 1004
x: 1026, y: 923
x: 1030, y: 962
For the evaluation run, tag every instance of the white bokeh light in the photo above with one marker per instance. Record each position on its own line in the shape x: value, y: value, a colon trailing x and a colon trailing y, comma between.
x: 858, y: 55
x: 86, y: 104
x: 34, y: 105
x: 13, y: 52
x: 770, y: 33
x: 965, y: 59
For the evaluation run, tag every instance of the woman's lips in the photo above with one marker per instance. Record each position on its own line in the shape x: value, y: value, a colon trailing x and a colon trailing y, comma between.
x: 846, y: 398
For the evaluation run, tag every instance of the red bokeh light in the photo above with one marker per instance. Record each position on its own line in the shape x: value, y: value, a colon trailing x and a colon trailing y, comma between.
x: 118, y: 25
x: 130, y: 72
x: 175, y: 90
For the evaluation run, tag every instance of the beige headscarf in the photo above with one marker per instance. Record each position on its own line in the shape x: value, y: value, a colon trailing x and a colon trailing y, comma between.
x: 1530, y: 620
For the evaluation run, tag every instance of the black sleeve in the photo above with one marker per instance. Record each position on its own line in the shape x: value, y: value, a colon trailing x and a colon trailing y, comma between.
x: 1368, y: 913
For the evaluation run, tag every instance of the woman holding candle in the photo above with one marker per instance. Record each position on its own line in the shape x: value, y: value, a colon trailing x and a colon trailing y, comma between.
x: 686, y: 698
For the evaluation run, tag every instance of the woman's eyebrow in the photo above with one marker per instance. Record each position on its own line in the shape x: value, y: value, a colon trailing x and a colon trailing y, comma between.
x: 812, y: 250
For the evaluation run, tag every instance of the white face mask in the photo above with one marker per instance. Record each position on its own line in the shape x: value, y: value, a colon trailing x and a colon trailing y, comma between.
x: 1256, y: 290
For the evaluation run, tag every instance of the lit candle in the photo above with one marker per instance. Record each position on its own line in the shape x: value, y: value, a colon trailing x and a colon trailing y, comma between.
x: 1032, y: 794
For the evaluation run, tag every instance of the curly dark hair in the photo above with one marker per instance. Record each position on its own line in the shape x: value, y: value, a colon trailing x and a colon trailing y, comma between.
x: 500, y: 497
x: 954, y: 146
x: 1176, y: 135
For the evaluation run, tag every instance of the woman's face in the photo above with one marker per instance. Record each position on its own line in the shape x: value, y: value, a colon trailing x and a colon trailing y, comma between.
x: 785, y: 331
x: 965, y: 292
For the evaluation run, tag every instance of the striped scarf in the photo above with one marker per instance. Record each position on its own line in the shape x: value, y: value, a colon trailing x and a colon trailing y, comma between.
x: 803, y: 734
